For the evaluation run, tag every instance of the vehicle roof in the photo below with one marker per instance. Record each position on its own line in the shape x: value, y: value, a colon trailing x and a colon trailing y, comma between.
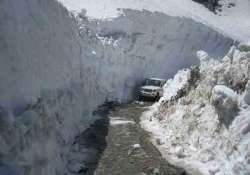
x: 159, y: 79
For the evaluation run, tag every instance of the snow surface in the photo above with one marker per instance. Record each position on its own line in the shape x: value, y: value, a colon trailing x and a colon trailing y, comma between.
x: 55, y: 71
x: 145, y: 44
x: 190, y: 128
x: 221, y: 89
x: 172, y: 86
x: 247, y: 94
x: 233, y: 22
x: 119, y: 121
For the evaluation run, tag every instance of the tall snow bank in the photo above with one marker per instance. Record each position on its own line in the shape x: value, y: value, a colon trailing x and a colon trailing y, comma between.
x: 53, y: 75
x: 44, y: 90
x: 225, y: 21
x: 35, y: 54
x: 142, y: 44
x: 191, y: 132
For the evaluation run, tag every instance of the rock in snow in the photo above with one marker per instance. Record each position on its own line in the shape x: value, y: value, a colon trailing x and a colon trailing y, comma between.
x: 244, y: 47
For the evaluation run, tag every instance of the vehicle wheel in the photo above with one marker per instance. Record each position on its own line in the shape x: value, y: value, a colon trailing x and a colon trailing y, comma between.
x: 157, y: 97
x: 141, y: 98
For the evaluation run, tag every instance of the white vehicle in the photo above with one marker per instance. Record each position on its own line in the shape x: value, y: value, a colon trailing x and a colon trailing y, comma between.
x: 152, y: 88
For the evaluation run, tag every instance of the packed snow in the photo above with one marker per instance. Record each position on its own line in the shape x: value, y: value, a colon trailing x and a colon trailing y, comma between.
x: 173, y: 86
x: 120, y: 121
x: 143, y: 44
x: 207, y: 130
x: 233, y: 22
x: 55, y: 71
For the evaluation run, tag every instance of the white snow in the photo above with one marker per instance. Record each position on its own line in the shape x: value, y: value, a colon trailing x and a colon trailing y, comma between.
x: 247, y: 94
x: 234, y: 21
x: 109, y: 41
x: 192, y: 132
x: 52, y: 81
x: 120, y: 121
x: 172, y: 86
x: 136, y: 146
x: 221, y: 89
x: 203, y: 56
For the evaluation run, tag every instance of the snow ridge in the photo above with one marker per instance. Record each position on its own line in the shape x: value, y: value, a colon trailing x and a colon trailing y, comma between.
x: 207, y: 131
x: 233, y: 22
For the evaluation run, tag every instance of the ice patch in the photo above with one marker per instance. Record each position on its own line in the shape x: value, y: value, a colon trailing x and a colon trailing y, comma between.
x: 120, y: 121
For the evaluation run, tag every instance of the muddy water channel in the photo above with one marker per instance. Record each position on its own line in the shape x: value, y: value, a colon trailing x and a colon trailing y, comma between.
x: 128, y: 150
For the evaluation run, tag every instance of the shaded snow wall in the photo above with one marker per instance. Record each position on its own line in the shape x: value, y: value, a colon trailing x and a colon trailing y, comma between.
x: 141, y: 44
x: 53, y: 77
x: 39, y: 50
x: 44, y: 91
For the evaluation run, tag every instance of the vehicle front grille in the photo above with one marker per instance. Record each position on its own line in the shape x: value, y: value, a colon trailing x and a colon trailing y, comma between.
x: 147, y: 90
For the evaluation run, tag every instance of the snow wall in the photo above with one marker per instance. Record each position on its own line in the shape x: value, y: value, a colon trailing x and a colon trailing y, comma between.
x: 53, y: 75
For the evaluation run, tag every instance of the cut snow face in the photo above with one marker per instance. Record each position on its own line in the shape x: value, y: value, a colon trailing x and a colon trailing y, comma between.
x: 56, y: 70
x: 206, y: 131
x: 143, y: 44
x: 233, y: 22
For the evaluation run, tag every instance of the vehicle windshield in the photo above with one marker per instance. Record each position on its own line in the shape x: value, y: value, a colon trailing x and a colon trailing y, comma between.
x: 150, y: 82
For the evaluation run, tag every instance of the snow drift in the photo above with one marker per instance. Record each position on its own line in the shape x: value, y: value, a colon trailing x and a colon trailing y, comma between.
x: 207, y: 129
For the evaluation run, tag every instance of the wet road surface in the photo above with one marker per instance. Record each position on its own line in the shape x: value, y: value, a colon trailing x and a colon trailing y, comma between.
x: 128, y: 149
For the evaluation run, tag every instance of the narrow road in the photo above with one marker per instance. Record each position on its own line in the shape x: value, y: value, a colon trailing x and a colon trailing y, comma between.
x: 128, y: 150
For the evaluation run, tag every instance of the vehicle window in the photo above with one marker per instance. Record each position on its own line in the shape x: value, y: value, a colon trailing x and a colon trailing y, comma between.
x: 162, y: 83
x: 149, y: 82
